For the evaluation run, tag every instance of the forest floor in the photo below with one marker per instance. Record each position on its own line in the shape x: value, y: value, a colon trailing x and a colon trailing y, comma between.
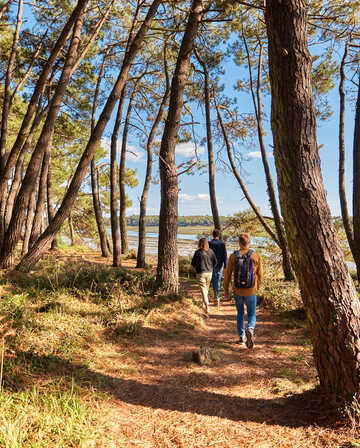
x: 135, y: 384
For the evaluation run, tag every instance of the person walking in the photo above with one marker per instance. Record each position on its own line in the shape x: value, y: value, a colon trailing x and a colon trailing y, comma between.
x: 245, y: 286
x: 204, y: 261
x: 219, y: 248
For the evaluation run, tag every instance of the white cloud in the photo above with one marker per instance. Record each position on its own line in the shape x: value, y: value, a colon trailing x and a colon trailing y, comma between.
x: 134, y: 154
x: 257, y: 155
x: 188, y: 149
x: 194, y: 197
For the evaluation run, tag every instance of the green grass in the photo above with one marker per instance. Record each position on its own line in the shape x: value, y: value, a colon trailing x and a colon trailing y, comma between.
x: 37, y: 419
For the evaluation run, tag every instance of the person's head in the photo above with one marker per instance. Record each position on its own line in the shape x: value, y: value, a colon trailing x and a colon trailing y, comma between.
x: 244, y: 240
x: 203, y: 244
x: 216, y: 234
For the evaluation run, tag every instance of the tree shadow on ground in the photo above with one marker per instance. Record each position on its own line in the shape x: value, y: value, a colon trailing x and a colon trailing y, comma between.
x: 298, y: 410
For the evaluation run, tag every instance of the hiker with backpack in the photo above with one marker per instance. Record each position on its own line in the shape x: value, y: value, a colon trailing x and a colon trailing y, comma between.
x: 245, y: 266
x: 204, y: 261
x: 219, y: 248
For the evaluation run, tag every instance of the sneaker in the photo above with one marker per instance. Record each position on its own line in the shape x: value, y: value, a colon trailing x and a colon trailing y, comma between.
x: 218, y: 302
x: 249, y: 338
x: 242, y: 340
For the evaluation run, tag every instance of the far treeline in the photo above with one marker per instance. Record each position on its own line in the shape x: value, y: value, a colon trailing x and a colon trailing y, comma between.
x: 71, y: 66
x: 183, y: 221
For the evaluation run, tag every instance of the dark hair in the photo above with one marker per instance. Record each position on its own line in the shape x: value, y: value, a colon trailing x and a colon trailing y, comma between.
x: 216, y: 233
x: 244, y: 239
x: 203, y: 244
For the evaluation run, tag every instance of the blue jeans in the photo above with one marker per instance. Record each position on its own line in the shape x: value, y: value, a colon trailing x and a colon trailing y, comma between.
x: 251, y: 312
x: 216, y: 282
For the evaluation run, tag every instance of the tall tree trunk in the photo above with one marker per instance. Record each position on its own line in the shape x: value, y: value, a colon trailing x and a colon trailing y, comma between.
x: 71, y: 230
x: 209, y: 139
x: 12, y: 234
x: 328, y: 293
x: 50, y: 206
x: 287, y: 269
x: 29, y: 220
x: 41, y: 198
x: 98, y: 213
x: 167, y: 268
x: 122, y: 175
x: 63, y: 212
x: 7, y: 88
x: 14, y: 189
x: 356, y: 185
x: 32, y: 107
x: 6, y: 106
x: 140, y: 263
x: 94, y: 184
x: 115, y: 230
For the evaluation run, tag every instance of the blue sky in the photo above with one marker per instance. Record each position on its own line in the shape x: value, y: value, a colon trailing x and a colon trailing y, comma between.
x: 194, y: 194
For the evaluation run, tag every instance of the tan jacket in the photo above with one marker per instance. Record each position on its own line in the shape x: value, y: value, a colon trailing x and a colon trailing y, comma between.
x: 229, y: 277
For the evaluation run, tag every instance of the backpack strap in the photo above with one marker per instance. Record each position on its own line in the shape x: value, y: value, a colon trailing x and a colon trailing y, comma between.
x: 251, y: 251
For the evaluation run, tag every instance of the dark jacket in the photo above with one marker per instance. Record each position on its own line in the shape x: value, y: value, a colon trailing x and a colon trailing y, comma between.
x: 203, y: 261
x: 219, y: 248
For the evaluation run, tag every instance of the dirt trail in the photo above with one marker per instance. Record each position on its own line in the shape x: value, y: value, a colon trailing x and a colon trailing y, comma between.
x: 254, y: 398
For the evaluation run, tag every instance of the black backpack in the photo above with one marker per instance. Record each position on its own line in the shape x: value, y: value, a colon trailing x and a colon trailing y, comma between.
x: 244, y: 271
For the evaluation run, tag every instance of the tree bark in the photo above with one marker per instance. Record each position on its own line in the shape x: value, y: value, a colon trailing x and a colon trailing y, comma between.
x: 342, y: 190
x: 50, y: 206
x: 140, y: 262
x: 7, y: 88
x: 14, y: 189
x: 41, y: 198
x: 29, y: 220
x: 12, y: 234
x: 356, y: 185
x: 71, y: 231
x: 115, y: 230
x: 6, y: 106
x: 94, y: 184
x: 63, y: 212
x: 167, y: 268
x: 209, y: 139
x: 122, y: 175
x: 328, y: 293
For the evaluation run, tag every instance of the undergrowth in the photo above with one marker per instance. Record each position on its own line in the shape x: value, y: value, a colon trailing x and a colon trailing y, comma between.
x: 67, y: 321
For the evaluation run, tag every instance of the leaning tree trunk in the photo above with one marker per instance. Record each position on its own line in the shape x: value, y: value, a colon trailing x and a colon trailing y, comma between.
x: 6, y: 104
x: 328, y: 293
x: 140, y: 263
x: 209, y: 139
x: 29, y: 220
x: 32, y: 107
x: 13, y: 232
x: 167, y: 268
x: 63, y: 212
x: 356, y: 185
x: 40, y: 204
x: 115, y: 225
x: 50, y: 206
x: 122, y: 176
x: 95, y: 189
